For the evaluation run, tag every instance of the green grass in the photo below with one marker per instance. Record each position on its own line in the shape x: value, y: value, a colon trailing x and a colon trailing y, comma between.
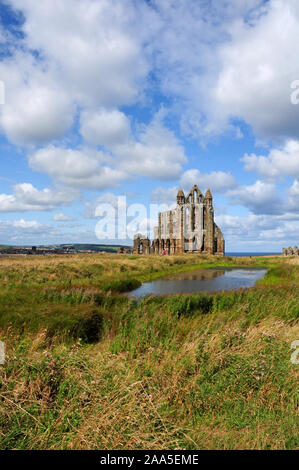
x: 88, y: 368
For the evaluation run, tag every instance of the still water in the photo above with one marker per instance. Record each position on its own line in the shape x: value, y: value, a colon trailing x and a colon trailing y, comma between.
x: 202, y: 280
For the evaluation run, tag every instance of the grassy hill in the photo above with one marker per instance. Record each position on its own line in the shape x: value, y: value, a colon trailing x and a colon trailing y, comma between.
x: 83, y: 246
x: 106, y: 248
x: 87, y: 368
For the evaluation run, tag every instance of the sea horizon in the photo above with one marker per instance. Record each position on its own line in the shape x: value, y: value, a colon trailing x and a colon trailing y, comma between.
x: 255, y: 253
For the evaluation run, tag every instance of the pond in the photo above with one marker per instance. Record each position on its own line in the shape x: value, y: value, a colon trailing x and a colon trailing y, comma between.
x: 201, y: 280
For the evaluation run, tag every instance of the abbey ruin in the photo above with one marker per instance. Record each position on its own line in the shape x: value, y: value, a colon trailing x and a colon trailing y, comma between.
x: 189, y: 227
x: 291, y: 251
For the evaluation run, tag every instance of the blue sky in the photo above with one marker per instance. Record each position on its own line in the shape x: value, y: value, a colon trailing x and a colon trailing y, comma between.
x: 107, y: 98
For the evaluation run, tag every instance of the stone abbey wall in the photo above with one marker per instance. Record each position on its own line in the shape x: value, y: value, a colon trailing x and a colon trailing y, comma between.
x: 291, y: 251
x: 190, y: 227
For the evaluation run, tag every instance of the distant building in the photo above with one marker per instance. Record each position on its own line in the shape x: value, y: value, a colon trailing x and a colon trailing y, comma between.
x: 190, y: 227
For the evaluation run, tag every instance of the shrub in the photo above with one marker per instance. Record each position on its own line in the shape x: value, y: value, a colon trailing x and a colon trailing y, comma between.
x: 179, y: 261
x: 99, y: 299
x: 188, y: 305
x: 224, y: 301
x: 125, y: 285
x: 88, y: 328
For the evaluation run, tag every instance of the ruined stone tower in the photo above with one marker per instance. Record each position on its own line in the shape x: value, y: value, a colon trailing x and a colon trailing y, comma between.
x: 190, y: 227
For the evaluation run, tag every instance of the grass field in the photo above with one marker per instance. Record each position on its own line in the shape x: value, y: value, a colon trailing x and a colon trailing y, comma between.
x: 87, y: 368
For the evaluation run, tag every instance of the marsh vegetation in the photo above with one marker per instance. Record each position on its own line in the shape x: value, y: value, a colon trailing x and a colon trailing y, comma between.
x: 86, y: 367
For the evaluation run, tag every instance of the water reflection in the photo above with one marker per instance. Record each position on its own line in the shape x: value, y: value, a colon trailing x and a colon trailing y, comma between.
x: 200, y: 275
x: 202, y: 280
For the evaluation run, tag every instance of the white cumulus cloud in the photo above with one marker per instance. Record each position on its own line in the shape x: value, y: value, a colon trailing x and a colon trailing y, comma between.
x: 217, y: 181
x: 61, y: 217
x: 105, y: 127
x: 26, y: 197
x: 260, y: 198
x: 279, y: 162
x: 79, y: 168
